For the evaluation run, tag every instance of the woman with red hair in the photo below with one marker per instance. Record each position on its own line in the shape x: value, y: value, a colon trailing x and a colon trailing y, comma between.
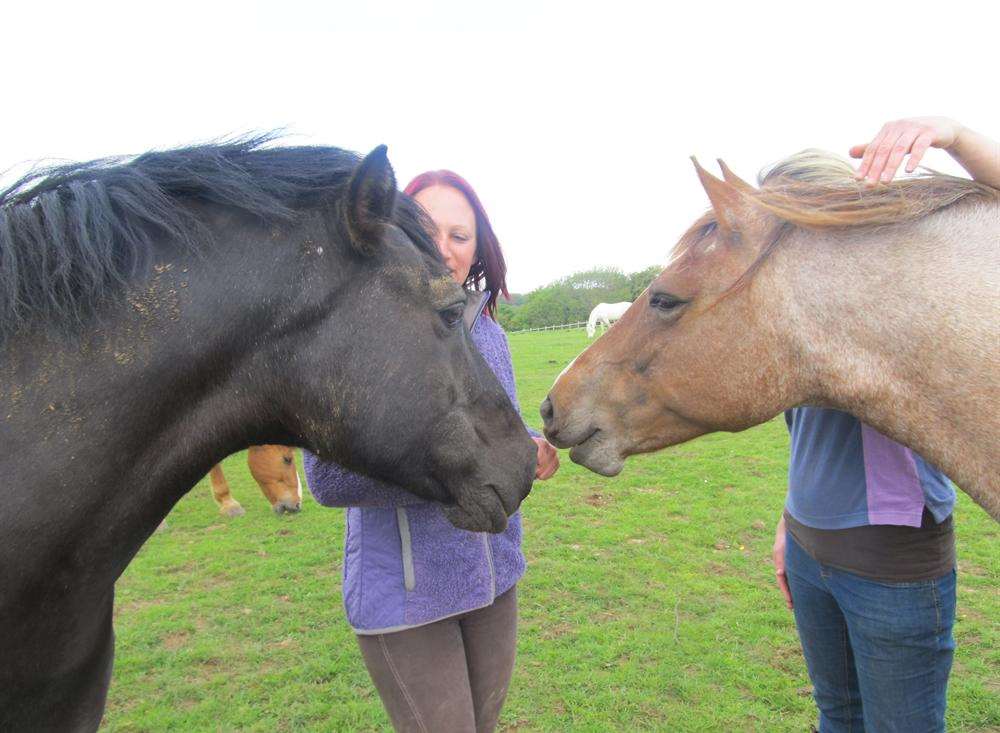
x: 435, y: 607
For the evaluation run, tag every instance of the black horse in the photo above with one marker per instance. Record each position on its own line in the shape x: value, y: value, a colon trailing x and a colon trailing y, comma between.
x: 159, y: 314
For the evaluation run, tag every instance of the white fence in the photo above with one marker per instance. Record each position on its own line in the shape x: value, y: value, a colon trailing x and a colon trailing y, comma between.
x: 580, y: 324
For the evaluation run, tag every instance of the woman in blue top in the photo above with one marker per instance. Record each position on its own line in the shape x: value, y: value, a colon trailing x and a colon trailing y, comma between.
x: 865, y: 550
x: 435, y: 607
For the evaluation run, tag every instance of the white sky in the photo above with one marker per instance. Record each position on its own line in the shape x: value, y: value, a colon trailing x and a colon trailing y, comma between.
x: 573, y: 120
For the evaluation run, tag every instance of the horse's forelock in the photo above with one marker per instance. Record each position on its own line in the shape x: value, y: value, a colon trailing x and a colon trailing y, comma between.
x: 417, y: 226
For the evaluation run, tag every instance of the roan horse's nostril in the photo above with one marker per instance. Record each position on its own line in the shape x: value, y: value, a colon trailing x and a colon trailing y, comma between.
x: 547, y: 411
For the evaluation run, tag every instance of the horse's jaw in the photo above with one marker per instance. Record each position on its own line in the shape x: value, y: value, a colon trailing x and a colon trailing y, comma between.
x: 598, y: 453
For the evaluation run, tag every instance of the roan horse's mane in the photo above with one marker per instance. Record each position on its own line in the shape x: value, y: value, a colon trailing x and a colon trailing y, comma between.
x: 73, y: 235
x: 817, y: 190
x: 814, y: 189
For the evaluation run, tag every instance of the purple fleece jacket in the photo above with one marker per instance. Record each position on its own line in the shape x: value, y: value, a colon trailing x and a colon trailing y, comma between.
x: 405, y: 565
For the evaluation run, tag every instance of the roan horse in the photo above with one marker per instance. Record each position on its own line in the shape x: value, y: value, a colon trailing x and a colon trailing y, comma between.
x: 605, y: 314
x: 185, y: 305
x: 273, y: 468
x: 812, y: 290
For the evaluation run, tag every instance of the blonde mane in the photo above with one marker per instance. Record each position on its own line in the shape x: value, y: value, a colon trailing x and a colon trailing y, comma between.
x: 816, y: 189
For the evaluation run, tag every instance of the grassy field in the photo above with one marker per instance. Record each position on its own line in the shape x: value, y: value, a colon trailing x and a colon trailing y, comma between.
x: 648, y: 603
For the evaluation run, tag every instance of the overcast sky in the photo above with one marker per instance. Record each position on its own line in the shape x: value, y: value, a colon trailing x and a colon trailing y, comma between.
x: 574, y: 121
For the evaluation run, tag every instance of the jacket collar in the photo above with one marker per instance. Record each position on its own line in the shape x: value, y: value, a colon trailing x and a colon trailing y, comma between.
x: 475, y: 304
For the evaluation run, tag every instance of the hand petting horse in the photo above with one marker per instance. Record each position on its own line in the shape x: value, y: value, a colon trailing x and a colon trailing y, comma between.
x: 813, y: 289
x: 185, y: 305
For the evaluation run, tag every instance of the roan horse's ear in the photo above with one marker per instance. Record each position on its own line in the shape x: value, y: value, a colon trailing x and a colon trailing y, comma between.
x: 371, y: 196
x: 732, y: 179
x: 730, y: 202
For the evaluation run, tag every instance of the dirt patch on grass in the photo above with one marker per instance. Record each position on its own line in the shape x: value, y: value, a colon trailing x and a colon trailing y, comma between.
x: 970, y: 568
x: 134, y: 606
x: 597, y: 499
x: 188, y: 567
x: 653, y: 490
x: 967, y: 614
x: 786, y: 657
x: 554, y: 631
x: 210, y: 666
x: 604, y: 617
x: 175, y: 640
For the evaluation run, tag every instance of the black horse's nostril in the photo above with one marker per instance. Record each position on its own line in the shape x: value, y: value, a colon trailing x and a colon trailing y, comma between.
x: 547, y: 411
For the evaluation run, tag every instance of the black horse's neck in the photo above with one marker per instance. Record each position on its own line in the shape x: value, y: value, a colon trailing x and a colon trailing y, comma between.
x: 103, y: 432
x: 135, y: 412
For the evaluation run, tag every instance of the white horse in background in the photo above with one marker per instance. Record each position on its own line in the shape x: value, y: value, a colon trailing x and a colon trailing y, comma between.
x: 605, y: 314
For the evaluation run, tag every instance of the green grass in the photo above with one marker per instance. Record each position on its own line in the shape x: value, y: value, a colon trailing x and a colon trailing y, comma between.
x: 648, y: 602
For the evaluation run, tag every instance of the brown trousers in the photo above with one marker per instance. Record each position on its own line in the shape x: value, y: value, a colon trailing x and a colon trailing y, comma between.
x: 450, y: 676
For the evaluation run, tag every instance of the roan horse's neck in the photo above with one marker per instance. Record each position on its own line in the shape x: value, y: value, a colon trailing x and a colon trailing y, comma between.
x: 899, y: 326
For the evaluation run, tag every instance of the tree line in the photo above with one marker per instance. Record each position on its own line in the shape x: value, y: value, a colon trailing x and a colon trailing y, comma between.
x: 570, y: 299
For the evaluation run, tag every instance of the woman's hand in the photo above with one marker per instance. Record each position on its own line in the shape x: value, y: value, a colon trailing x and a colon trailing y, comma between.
x: 548, y: 460
x: 881, y: 157
x: 778, y: 555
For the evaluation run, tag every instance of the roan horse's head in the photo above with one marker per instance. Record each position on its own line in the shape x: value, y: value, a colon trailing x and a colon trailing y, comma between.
x: 653, y: 380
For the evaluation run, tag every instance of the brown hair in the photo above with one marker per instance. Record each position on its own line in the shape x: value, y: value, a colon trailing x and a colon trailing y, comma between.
x: 489, y: 267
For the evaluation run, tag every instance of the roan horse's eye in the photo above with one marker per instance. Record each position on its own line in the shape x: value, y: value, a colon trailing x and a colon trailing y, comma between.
x: 666, y: 302
x: 452, y: 315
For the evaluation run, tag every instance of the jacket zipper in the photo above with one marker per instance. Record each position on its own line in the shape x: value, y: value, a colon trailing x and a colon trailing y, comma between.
x: 409, y: 580
x: 489, y: 562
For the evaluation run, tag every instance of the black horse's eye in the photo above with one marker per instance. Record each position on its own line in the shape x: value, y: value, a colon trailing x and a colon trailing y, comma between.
x: 452, y: 315
x: 666, y: 302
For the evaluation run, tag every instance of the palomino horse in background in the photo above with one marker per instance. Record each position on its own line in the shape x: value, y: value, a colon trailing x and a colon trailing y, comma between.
x: 604, y: 314
x: 183, y: 306
x: 273, y: 468
x: 812, y: 289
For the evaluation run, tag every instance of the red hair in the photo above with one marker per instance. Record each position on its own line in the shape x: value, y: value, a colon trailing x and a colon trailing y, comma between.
x: 489, y: 267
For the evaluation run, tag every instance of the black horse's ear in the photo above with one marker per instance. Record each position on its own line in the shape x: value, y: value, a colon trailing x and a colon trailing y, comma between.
x: 371, y: 196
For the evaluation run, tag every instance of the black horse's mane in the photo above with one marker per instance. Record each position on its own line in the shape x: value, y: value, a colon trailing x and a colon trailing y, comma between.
x: 72, y: 235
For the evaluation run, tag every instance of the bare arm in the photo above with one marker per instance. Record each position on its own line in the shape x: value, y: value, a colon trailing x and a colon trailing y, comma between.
x: 778, y: 555
x: 979, y: 155
x: 881, y: 158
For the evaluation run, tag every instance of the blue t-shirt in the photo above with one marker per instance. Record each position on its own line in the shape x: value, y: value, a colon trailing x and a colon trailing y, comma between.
x: 843, y: 473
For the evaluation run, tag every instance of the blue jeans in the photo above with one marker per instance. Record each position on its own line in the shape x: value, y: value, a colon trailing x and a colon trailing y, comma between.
x: 878, y: 653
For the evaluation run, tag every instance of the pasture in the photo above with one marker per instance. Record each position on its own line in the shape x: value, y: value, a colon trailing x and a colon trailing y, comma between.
x: 648, y: 604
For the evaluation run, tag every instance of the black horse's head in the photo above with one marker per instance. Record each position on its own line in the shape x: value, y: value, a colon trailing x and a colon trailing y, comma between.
x: 159, y: 313
x: 389, y: 380
x: 266, y: 294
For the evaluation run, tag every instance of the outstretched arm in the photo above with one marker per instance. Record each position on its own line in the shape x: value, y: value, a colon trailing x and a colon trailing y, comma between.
x: 881, y: 158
